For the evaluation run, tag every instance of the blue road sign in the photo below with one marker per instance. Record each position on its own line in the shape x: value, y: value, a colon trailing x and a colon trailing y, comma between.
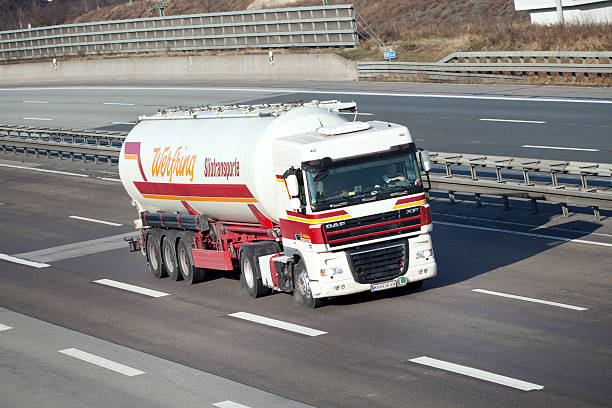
x: 389, y: 54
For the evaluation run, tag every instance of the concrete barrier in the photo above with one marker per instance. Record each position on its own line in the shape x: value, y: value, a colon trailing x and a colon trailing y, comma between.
x: 319, y: 67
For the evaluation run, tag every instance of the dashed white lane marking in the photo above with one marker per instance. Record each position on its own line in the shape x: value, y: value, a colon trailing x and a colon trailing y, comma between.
x: 23, y: 261
x: 527, y: 234
x: 229, y: 404
x: 578, y: 149
x: 37, y: 118
x: 131, y: 288
x: 102, y: 362
x: 76, y: 217
x: 117, y: 103
x: 512, y: 120
x: 4, y: 327
x: 35, y: 101
x: 44, y: 170
x: 480, y: 374
x: 357, y: 113
x: 528, y: 299
x: 123, y: 123
x: 278, y: 324
x: 109, y: 179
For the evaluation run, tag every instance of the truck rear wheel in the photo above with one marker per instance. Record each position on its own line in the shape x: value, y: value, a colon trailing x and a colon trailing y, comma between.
x: 169, y: 256
x: 154, y: 259
x: 250, y: 273
x: 189, y: 272
x: 301, y: 287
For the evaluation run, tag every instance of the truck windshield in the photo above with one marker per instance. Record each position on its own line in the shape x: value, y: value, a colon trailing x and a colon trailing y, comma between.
x: 365, y: 181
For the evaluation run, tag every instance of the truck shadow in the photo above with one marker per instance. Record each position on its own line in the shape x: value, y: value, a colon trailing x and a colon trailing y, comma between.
x: 466, y: 247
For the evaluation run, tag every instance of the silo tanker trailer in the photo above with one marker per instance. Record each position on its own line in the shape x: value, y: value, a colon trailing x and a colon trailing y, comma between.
x: 296, y: 196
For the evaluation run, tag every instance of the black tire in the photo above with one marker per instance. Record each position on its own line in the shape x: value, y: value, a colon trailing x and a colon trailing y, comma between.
x: 250, y: 274
x: 154, y: 259
x: 301, y: 287
x: 169, y: 256
x: 188, y: 271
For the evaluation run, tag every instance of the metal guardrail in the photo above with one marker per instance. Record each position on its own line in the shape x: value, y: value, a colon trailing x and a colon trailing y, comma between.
x: 320, y: 26
x: 502, y: 64
x: 567, y: 182
x: 546, y: 57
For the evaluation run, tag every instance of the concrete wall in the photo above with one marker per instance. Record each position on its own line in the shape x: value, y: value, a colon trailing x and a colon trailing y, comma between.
x: 319, y: 67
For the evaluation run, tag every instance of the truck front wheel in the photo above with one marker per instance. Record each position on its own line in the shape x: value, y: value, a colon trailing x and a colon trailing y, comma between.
x: 301, y: 287
x: 154, y: 259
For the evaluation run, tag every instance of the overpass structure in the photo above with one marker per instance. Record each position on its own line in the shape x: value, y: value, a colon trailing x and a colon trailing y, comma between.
x: 545, y: 12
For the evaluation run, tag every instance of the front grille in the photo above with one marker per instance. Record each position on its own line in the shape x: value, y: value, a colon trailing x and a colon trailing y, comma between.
x: 379, y: 262
x: 372, y: 227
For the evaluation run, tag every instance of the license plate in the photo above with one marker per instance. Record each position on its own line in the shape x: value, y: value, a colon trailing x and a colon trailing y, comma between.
x: 383, y: 285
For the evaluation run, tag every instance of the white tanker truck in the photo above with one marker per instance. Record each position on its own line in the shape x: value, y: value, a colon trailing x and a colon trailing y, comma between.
x: 294, y: 195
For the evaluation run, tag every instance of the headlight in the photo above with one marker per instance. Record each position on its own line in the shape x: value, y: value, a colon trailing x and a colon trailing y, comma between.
x: 331, y: 271
x: 425, y: 253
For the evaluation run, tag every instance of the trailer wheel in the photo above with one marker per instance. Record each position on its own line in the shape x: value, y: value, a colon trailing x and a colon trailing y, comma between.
x: 301, y: 287
x: 169, y: 257
x: 250, y: 275
x: 154, y: 259
x: 190, y: 273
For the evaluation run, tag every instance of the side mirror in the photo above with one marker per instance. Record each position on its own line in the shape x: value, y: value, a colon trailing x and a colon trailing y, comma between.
x: 292, y: 185
x: 295, y: 204
x: 425, y: 160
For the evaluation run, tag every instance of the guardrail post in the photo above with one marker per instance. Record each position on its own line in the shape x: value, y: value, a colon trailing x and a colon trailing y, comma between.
x: 565, y: 209
x: 478, y: 200
x: 451, y: 196
x: 534, y: 205
x: 596, y: 213
x: 506, y: 203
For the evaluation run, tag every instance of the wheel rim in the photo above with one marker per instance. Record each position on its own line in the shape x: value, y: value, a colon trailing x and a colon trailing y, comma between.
x: 303, y: 284
x: 247, y: 271
x: 184, y: 262
x: 153, y: 256
x: 168, y: 258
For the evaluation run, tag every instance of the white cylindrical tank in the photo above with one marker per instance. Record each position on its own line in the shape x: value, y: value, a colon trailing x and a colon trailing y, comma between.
x: 216, y: 163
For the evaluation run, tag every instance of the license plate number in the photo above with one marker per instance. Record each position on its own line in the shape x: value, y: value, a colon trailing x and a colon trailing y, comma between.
x: 383, y: 285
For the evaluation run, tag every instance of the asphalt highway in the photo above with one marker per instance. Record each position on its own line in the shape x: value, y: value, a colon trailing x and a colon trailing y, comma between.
x: 519, y: 314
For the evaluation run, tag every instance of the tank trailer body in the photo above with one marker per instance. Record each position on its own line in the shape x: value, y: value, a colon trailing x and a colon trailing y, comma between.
x: 295, y: 195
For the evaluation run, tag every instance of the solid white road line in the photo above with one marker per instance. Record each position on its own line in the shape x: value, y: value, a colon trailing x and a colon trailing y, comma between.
x: 102, y: 362
x: 357, y: 113
x: 37, y: 118
x: 480, y: 374
x: 123, y: 123
x: 77, y: 249
x: 527, y: 299
x: 315, y: 91
x: 526, y: 234
x: 44, y: 170
x: 278, y: 324
x: 512, y: 120
x: 35, y: 102
x: 131, y: 288
x: 229, y: 404
x: 109, y: 179
x: 76, y: 217
x: 4, y: 327
x: 532, y: 226
x: 578, y: 149
x: 117, y: 103
x: 13, y: 259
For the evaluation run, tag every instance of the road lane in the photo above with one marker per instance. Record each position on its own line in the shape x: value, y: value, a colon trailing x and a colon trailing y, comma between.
x: 364, y: 359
